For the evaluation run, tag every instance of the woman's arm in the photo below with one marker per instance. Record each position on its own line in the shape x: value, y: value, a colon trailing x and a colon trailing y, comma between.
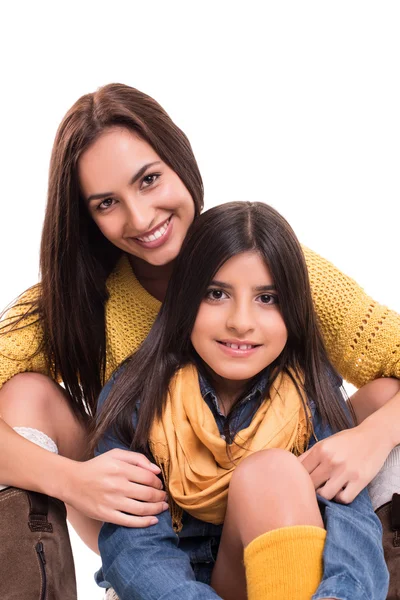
x: 362, y: 337
x: 343, y: 464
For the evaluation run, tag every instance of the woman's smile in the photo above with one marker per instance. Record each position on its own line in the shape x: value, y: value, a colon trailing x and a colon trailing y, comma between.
x: 157, y: 236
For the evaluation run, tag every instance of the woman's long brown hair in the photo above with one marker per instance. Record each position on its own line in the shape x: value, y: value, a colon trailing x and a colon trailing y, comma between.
x: 75, y: 258
x: 215, y: 237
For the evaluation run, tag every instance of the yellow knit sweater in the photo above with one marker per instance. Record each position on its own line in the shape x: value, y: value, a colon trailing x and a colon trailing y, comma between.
x: 362, y: 337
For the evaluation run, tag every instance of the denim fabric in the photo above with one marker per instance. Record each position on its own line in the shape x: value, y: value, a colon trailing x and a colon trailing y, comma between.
x: 157, y: 564
x: 354, y: 564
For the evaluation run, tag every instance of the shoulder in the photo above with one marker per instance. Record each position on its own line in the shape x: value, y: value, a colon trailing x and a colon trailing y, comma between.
x: 21, y: 332
x: 105, y: 392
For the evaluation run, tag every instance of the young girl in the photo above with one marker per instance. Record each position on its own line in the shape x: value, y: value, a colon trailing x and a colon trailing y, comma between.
x: 124, y: 188
x: 231, y: 384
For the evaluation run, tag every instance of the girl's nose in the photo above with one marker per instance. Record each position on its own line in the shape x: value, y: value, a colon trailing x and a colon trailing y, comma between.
x: 240, y: 319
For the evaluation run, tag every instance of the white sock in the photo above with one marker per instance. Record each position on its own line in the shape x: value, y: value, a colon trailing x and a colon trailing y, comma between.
x: 387, y: 481
x: 37, y: 437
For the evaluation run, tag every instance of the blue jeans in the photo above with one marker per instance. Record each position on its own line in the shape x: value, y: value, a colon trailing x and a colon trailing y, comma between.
x: 157, y: 564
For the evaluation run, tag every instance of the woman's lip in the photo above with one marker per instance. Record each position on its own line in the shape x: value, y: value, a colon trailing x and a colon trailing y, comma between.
x: 236, y: 352
x: 159, y: 241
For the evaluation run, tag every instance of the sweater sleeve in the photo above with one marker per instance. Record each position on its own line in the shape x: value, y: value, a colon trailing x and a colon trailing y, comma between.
x: 20, y: 343
x: 362, y: 337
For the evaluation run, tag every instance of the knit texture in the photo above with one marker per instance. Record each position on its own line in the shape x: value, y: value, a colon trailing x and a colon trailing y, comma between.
x: 285, y: 563
x: 362, y: 337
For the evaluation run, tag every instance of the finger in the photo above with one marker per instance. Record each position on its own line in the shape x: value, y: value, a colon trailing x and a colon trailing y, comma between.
x: 347, y: 495
x: 131, y: 521
x: 304, y: 455
x: 142, y: 476
x: 320, y: 476
x: 311, y: 459
x: 144, y: 493
x: 135, y: 458
x: 332, y: 487
x: 142, y: 509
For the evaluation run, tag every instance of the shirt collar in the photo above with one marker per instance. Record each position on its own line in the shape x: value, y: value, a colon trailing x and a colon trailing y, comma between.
x: 208, y: 392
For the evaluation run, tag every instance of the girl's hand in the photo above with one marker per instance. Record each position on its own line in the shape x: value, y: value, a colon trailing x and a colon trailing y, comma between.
x: 115, y: 483
x: 342, y: 465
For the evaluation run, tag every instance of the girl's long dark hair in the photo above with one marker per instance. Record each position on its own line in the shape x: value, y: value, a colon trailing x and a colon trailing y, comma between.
x: 75, y: 258
x: 215, y: 237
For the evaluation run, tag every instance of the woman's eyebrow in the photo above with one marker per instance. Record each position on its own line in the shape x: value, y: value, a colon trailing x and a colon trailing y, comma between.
x: 260, y: 288
x: 135, y: 177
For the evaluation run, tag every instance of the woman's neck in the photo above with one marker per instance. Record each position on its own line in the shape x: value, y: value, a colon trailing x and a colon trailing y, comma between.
x: 153, y: 278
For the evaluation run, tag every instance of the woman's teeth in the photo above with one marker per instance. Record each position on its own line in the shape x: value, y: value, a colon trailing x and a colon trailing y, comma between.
x: 156, y: 234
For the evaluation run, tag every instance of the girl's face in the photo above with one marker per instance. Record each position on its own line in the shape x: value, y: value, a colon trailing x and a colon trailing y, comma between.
x: 239, y: 329
x: 136, y: 200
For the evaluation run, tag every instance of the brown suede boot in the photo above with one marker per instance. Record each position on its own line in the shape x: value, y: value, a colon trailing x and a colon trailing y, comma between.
x: 389, y: 515
x: 35, y: 551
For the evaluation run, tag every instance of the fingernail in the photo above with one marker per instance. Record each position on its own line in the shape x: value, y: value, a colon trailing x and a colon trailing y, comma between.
x: 165, y: 506
x: 155, y: 468
x: 153, y: 521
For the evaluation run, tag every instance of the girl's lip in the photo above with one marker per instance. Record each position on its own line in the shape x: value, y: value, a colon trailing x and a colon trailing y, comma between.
x: 159, y: 241
x: 236, y: 352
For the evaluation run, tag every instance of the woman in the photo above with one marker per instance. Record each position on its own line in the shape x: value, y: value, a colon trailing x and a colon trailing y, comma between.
x: 231, y: 383
x: 124, y: 187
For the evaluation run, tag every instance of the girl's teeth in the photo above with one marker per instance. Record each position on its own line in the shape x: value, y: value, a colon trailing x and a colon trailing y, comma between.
x: 239, y: 346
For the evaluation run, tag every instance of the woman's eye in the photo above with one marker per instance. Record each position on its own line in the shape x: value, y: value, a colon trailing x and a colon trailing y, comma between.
x: 148, y: 180
x: 268, y: 299
x: 215, y: 295
x: 106, y: 203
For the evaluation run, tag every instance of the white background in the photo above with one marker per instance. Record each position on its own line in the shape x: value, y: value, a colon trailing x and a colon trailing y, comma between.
x: 291, y: 103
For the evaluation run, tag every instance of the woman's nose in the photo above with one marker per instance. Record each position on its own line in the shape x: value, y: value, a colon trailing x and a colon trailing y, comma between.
x: 140, y: 218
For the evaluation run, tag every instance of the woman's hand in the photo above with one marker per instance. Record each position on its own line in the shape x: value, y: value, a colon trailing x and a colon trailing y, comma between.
x: 115, y: 483
x: 342, y: 465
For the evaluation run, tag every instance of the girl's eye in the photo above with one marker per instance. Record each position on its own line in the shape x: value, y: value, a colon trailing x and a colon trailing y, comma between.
x: 215, y: 295
x: 106, y: 203
x: 268, y: 299
x: 149, y: 179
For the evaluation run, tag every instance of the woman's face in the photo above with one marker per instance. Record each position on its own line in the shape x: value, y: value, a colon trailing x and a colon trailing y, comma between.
x: 137, y: 201
x: 239, y: 329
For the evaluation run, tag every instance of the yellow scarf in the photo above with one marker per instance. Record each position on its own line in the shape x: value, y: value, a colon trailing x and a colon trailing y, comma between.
x: 187, y: 445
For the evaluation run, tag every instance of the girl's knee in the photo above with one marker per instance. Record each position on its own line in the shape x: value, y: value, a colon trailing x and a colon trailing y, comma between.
x: 271, y: 489
x: 265, y: 466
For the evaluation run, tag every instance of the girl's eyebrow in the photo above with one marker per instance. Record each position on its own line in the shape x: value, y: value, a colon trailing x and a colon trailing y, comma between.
x: 259, y: 288
x: 135, y: 177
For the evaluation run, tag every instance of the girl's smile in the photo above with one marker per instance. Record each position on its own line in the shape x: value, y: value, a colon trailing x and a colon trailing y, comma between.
x: 239, y: 348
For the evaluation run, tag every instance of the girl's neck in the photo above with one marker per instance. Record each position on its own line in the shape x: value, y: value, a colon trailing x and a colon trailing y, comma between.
x: 227, y: 391
x: 153, y: 278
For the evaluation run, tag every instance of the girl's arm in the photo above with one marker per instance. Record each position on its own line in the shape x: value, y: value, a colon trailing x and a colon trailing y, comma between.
x: 362, y: 337
x: 147, y: 564
x: 354, y: 565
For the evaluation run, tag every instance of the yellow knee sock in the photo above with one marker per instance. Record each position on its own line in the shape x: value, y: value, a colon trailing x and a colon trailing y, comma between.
x: 285, y: 564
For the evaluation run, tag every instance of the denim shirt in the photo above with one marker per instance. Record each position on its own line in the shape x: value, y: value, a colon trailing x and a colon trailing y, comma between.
x: 155, y: 563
